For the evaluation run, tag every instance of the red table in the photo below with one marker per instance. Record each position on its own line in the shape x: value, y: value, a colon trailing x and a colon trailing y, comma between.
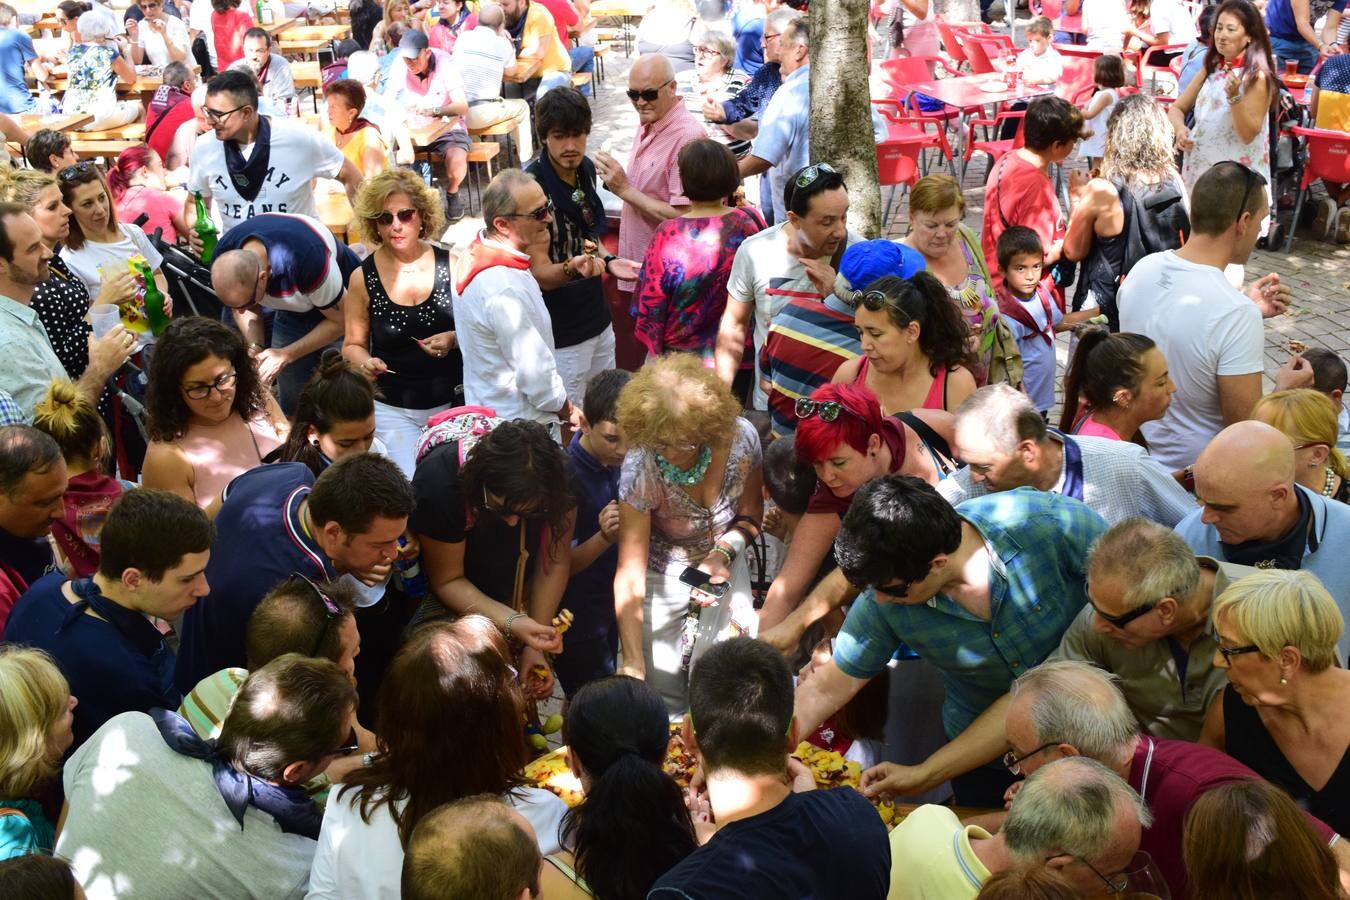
x: 966, y: 93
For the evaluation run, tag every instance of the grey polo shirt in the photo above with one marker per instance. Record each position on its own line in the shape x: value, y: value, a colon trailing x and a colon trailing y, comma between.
x: 1166, y: 704
x: 27, y: 361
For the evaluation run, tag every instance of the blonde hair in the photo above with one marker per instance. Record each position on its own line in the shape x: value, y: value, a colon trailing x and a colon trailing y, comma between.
x: 674, y: 399
x: 33, y: 697
x: 71, y: 420
x: 1274, y: 609
x: 22, y: 186
x: 375, y: 193
x: 1306, y: 417
x: 933, y: 194
x: 1041, y: 25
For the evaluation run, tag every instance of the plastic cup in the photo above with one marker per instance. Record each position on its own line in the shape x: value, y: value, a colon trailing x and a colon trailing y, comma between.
x: 1291, y: 67
x: 104, y: 317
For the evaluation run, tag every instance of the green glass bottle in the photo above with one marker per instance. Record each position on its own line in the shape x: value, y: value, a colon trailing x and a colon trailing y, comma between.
x: 205, y: 228
x: 154, y: 299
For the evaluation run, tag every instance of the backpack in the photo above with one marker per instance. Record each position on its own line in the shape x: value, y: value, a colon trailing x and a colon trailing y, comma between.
x: 466, y: 424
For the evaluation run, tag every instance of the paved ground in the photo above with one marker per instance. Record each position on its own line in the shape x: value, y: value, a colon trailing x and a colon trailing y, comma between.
x: 1318, y: 272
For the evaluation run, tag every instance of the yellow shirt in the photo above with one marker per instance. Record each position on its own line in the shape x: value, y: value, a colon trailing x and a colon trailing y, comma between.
x: 356, y: 145
x: 540, y: 38
x: 931, y: 858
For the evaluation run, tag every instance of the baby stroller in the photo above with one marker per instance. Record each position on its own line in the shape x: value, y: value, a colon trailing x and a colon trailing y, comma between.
x: 1287, y: 159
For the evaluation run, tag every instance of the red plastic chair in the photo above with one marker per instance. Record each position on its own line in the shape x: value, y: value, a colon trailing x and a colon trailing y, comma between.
x: 903, y: 71
x: 1328, y: 158
x: 976, y: 54
x: 1076, y: 79
x: 912, y: 125
x: 995, y: 45
x: 1155, y: 60
x: 1051, y: 9
x: 995, y: 148
x: 897, y: 164
x: 951, y: 44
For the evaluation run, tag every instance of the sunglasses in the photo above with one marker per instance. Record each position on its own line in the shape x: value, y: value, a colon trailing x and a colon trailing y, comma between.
x: 895, y: 588
x: 332, y: 612
x: 1251, y: 180
x: 872, y: 301
x: 350, y: 746
x: 649, y: 95
x: 539, y: 215
x: 825, y: 410
x: 1122, y: 620
x: 494, y: 509
x: 79, y: 172
x: 808, y: 175
x: 386, y: 218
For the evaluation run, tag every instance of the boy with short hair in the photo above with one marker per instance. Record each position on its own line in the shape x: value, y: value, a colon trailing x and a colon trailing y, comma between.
x: 1032, y: 310
x: 1040, y: 63
x: 594, y: 457
x: 1329, y: 377
x: 770, y: 820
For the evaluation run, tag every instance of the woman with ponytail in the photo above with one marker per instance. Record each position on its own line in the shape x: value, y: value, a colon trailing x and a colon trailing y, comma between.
x: 633, y: 825
x: 334, y: 417
x: 1114, y: 384
x: 68, y: 416
x: 915, y: 345
x: 137, y: 182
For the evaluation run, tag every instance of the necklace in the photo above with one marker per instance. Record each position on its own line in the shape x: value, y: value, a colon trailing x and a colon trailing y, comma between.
x: 685, y: 477
x: 1330, y: 482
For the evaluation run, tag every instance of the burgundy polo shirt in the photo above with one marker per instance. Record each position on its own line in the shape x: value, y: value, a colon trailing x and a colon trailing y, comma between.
x: 1170, y: 775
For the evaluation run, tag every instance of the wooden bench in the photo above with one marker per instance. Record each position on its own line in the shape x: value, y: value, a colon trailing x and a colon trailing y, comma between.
x: 580, y: 80
x: 506, y: 129
x: 106, y: 149
x: 480, y: 153
x: 135, y: 133
x: 601, y: 50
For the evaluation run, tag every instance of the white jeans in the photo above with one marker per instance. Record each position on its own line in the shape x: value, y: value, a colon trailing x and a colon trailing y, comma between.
x: 580, y: 363
x: 482, y: 115
x: 400, y: 428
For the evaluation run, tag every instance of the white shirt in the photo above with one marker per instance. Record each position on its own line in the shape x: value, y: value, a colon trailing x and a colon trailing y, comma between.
x: 299, y: 154
x: 1205, y: 328
x: 481, y: 56
x: 1104, y: 23
x: 1173, y: 19
x: 152, y: 42
x: 199, y: 19
x: 280, y: 84
x: 506, y: 337
x: 359, y: 861
x: 1120, y: 481
x: 85, y: 261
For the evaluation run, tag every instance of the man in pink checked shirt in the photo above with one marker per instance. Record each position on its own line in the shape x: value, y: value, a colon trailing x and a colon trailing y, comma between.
x: 650, y: 188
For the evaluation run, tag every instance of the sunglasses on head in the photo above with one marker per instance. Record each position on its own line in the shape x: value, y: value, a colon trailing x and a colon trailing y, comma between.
x: 332, y: 611
x: 872, y: 301
x: 825, y: 410
x: 649, y: 95
x: 539, y: 215
x: 386, y: 218
x: 1251, y: 179
x: 79, y: 172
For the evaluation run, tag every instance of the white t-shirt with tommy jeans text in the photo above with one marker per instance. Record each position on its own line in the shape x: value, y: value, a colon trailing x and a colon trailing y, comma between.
x: 298, y: 155
x: 1205, y: 328
x: 766, y: 274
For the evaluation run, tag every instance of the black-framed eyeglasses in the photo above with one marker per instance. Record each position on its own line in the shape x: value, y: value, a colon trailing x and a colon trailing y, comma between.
x: 494, y: 509
x: 1013, y: 763
x: 539, y: 215
x: 1116, y: 884
x: 649, y: 95
x: 386, y: 218
x: 1124, y: 619
x: 349, y: 746
x: 808, y: 175
x: 220, y: 386
x: 1229, y: 652
x: 218, y: 115
x: 79, y: 171
x: 332, y: 612
x: 825, y: 410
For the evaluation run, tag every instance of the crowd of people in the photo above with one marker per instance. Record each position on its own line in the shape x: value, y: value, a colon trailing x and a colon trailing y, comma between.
x: 291, y: 609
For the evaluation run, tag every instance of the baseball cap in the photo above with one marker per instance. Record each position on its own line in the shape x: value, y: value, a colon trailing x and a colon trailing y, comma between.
x: 866, y: 261
x: 412, y: 43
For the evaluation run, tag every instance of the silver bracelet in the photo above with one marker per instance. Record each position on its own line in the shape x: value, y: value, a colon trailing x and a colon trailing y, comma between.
x: 511, y: 619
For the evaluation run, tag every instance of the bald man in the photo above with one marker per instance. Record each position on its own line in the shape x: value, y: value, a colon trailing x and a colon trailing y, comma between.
x: 1252, y: 513
x: 650, y: 187
x: 473, y: 849
x: 291, y: 264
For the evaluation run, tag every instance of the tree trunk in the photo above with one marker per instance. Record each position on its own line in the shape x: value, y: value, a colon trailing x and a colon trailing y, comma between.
x: 841, y: 108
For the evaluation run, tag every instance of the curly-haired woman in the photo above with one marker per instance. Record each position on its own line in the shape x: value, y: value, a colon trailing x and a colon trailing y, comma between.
x: 400, y: 327
x: 690, y: 496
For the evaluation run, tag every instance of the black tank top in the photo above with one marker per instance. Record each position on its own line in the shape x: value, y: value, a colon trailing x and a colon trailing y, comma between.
x: 415, y: 380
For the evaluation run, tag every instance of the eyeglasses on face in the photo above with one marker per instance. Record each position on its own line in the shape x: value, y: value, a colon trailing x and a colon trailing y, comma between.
x: 1229, y: 652
x: 1124, y: 619
x: 349, y: 746
x: 539, y: 215
x: 1013, y: 763
x: 81, y: 171
x: 808, y: 175
x: 825, y: 410
x: 221, y: 385
x: 216, y: 116
x: 386, y: 218
x: 895, y: 588
x: 649, y: 95
x: 1115, y: 884
x: 503, y: 510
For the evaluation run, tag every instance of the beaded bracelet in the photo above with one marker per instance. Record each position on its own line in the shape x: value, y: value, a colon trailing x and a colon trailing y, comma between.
x: 726, y: 554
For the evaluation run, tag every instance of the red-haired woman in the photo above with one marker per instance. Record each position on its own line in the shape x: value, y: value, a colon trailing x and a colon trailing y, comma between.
x: 843, y: 435
x: 137, y: 182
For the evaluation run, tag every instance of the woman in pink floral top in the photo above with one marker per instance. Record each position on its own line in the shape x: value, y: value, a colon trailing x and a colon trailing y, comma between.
x: 682, y: 288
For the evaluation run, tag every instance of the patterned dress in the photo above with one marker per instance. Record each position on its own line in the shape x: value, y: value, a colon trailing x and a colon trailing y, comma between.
x: 93, y: 83
x: 1216, y: 140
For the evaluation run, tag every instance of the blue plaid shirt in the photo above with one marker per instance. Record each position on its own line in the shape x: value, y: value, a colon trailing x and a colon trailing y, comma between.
x: 1038, y: 543
x: 10, y: 412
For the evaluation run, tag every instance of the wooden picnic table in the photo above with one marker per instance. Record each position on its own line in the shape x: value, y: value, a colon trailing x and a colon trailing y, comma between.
x: 279, y: 25
x: 524, y: 64
x: 335, y: 211
x: 306, y: 73
x: 32, y: 122
x: 626, y: 10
